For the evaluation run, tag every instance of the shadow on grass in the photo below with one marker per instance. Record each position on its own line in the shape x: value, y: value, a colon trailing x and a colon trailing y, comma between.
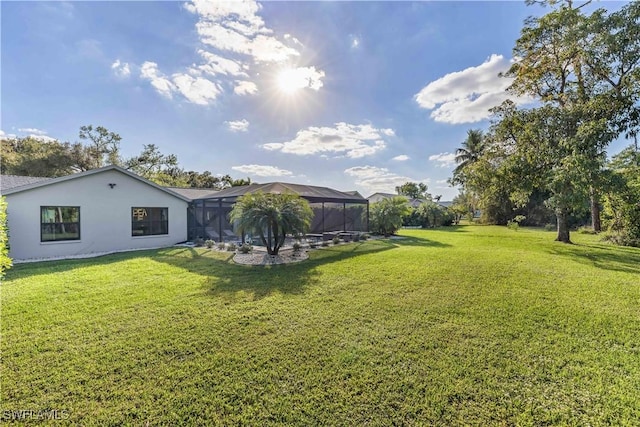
x: 226, y: 277
x: 446, y: 229
x: 404, y: 240
x: 614, y: 258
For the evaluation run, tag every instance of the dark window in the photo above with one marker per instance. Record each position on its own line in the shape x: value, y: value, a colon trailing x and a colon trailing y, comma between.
x: 59, y: 223
x: 149, y: 221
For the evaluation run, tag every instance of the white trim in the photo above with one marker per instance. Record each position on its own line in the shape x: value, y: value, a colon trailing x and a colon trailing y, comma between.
x: 60, y: 242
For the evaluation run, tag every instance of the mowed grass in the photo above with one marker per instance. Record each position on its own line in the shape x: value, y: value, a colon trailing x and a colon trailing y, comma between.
x: 458, y: 326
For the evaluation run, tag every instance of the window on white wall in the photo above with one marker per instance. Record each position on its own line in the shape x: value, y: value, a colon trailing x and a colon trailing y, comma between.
x: 149, y: 221
x: 58, y: 223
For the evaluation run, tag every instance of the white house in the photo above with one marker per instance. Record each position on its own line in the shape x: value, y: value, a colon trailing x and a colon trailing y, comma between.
x: 99, y: 211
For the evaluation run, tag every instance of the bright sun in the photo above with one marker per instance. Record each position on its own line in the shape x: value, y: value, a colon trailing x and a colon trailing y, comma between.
x: 290, y: 80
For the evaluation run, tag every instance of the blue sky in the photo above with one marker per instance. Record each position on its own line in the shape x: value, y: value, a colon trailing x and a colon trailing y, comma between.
x: 350, y: 95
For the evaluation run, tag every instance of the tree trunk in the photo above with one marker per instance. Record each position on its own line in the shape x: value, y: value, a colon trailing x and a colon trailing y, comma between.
x: 563, y: 226
x: 270, y: 238
x: 276, y: 238
x: 595, y: 211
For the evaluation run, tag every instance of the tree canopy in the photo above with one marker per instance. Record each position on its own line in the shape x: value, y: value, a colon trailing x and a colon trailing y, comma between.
x: 414, y: 190
x: 32, y: 156
x: 583, y: 71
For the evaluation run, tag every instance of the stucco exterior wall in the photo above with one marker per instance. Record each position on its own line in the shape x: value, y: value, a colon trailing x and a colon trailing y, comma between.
x: 105, y: 216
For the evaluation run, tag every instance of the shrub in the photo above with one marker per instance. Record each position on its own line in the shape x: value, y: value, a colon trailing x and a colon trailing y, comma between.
x: 313, y: 244
x: 246, y: 248
x: 297, y: 246
x: 336, y: 240
x: 621, y: 239
x: 210, y: 243
x: 5, y: 261
x: 514, y: 224
x: 231, y: 247
x: 586, y: 230
x: 365, y: 236
x: 356, y: 237
x: 386, y: 215
x: 198, y: 241
x: 221, y: 246
x: 325, y: 243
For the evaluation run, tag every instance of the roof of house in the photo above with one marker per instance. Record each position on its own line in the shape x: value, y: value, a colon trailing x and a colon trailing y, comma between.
x: 194, y: 193
x: 309, y: 192
x: 7, y: 182
x: 42, y: 182
x: 414, y: 203
x: 382, y: 195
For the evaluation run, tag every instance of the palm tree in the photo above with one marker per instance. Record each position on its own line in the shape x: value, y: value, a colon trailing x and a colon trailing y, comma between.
x: 471, y: 150
x: 272, y: 217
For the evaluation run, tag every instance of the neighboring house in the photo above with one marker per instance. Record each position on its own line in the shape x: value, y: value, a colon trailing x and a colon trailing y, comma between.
x: 99, y: 211
x: 377, y: 197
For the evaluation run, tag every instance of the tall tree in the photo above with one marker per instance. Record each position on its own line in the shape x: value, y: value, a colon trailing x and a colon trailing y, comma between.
x: 540, y: 155
x: 586, y: 67
x: 102, y: 147
x: 34, y: 157
x: 622, y: 200
x: 414, y: 190
x: 151, y: 163
x: 470, y: 152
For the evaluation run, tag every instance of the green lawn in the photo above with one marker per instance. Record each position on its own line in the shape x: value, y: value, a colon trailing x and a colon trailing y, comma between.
x: 459, y: 326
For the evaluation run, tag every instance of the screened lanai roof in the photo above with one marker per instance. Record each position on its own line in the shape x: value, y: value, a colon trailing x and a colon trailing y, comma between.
x: 194, y: 193
x: 309, y: 192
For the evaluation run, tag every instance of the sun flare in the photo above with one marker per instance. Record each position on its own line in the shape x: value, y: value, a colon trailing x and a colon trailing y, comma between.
x: 290, y: 81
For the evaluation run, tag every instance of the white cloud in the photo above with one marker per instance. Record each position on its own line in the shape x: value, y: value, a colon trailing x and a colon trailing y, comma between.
x: 235, y: 26
x: 197, y: 90
x: 445, y: 159
x: 376, y: 179
x: 43, y: 138
x: 216, y: 64
x: 32, y: 131
x: 121, y: 69
x: 466, y: 96
x: 354, y: 141
x: 234, y: 39
x: 262, y: 170
x: 401, y: 158
x: 238, y: 125
x: 289, y: 37
x: 4, y: 135
x: 442, y: 181
x: 159, y: 81
x: 302, y: 77
x: 244, y: 87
